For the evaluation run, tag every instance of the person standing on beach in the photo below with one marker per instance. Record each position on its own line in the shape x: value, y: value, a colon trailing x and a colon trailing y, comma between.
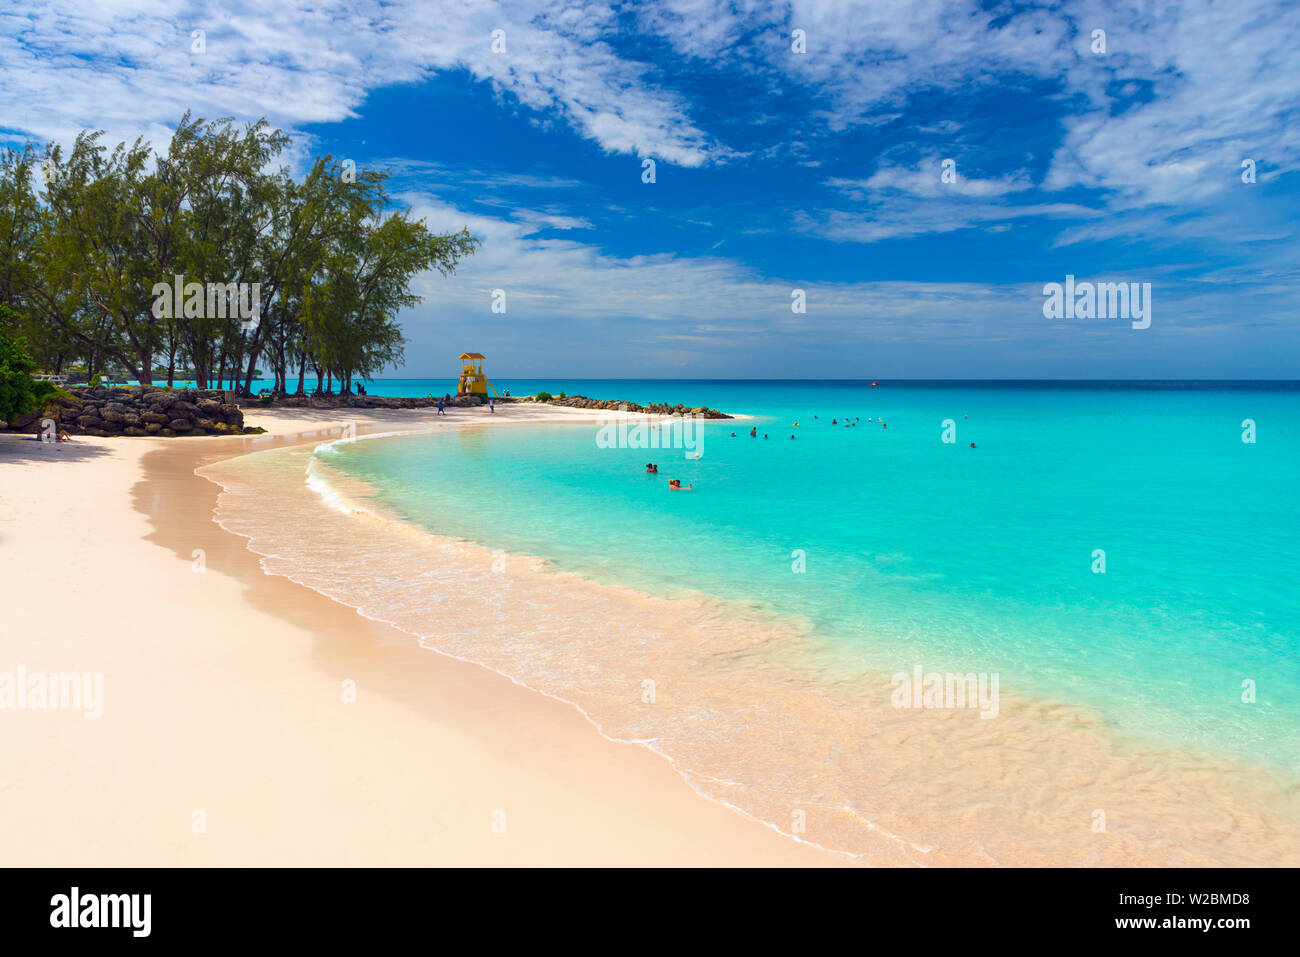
x: 492, y: 405
x: 440, y: 412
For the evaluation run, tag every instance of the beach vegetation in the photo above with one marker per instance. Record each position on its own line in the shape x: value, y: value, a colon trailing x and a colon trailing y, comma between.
x: 17, y: 387
x: 88, y: 234
x: 544, y: 397
x: 43, y: 389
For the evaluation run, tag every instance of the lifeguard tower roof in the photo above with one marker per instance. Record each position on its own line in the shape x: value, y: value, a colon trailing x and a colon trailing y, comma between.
x: 472, y: 355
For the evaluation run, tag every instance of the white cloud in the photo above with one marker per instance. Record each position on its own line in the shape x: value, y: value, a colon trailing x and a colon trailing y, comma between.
x: 926, y: 179
x: 1222, y: 77
x: 1223, y: 88
x: 903, y: 217
x: 128, y: 67
x: 899, y: 202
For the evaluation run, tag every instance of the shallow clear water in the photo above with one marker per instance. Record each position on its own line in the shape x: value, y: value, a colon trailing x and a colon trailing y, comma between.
x: 917, y: 551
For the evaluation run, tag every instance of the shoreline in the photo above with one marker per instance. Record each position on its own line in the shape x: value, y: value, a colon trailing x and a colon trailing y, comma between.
x: 223, y: 695
x: 353, y: 509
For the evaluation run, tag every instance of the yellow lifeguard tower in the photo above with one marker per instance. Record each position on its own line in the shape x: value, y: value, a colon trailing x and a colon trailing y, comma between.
x: 472, y: 380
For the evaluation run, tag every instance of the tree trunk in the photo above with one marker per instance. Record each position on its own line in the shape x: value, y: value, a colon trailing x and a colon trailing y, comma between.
x: 281, y: 371
x: 143, y: 374
x: 253, y: 354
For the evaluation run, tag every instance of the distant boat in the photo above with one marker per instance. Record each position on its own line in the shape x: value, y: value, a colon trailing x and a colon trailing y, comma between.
x: 875, y: 383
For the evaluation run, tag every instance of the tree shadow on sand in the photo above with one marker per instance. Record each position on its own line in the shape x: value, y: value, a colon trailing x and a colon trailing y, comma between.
x: 17, y: 449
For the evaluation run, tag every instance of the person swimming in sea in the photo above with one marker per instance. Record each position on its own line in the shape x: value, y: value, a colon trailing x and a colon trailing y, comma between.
x: 753, y: 433
x: 676, y: 485
x: 652, y: 468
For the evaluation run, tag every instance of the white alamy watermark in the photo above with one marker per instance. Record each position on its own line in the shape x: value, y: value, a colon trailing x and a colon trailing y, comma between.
x: 75, y: 909
x: 622, y: 431
x: 1098, y: 300
x: 945, y: 690
x: 24, y: 690
x: 213, y: 300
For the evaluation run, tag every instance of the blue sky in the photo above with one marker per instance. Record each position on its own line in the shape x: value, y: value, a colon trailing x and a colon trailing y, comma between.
x: 775, y: 170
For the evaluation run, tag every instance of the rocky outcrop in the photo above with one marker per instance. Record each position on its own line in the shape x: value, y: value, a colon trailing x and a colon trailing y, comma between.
x: 138, y: 411
x: 613, y: 405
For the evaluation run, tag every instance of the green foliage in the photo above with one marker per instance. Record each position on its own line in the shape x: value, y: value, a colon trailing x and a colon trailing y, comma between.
x: 544, y: 397
x: 17, y: 388
x: 562, y: 395
x: 363, y: 279
x: 266, y: 399
x: 43, y: 388
x: 94, y: 381
x: 334, y: 262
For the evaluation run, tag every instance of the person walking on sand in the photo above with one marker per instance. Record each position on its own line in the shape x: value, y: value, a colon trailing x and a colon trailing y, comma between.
x: 492, y: 405
x: 440, y: 412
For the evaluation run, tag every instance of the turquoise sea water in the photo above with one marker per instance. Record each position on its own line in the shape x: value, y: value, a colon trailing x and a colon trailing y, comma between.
x: 918, y: 551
